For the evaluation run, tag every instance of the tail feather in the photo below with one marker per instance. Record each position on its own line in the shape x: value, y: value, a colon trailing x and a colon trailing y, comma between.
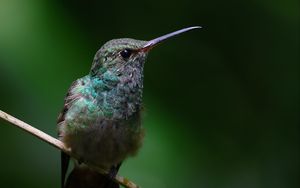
x: 86, y: 178
x: 64, y: 167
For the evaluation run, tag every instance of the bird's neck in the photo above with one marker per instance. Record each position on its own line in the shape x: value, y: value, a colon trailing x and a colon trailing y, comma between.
x: 120, y: 95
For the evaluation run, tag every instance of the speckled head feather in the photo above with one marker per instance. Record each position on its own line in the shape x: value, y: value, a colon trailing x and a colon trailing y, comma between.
x: 117, y: 52
x: 115, y: 44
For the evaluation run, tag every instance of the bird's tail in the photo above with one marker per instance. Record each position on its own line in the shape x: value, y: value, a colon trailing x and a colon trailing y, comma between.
x: 83, y: 177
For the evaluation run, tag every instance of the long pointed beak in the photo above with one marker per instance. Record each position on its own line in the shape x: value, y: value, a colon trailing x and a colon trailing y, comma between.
x: 150, y: 44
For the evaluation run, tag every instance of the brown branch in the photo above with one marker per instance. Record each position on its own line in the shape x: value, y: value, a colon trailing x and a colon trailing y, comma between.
x: 60, y: 145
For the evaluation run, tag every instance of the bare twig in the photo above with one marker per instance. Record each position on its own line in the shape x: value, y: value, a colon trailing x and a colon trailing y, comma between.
x: 60, y: 145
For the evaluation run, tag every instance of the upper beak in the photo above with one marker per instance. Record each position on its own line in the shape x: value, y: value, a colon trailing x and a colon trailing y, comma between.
x: 150, y: 44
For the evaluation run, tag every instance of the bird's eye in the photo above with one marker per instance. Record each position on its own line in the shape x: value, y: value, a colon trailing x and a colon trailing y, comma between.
x: 126, y: 53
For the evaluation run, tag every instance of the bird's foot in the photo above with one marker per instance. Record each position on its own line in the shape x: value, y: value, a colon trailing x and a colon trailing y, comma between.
x: 113, y: 172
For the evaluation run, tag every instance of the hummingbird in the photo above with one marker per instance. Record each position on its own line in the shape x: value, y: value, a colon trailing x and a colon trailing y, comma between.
x: 101, y: 118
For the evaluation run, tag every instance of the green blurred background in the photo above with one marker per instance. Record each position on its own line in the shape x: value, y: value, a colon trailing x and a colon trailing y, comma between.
x: 222, y: 103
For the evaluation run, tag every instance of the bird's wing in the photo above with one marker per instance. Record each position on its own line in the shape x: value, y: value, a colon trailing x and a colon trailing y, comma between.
x: 70, y: 98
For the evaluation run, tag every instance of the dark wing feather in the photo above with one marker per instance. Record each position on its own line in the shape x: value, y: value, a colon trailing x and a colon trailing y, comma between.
x: 69, y: 100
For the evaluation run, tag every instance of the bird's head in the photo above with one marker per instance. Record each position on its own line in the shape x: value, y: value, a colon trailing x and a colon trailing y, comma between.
x: 122, y: 56
x: 117, y: 54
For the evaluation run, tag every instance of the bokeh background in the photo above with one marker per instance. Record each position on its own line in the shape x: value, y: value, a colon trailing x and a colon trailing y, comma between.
x: 222, y: 103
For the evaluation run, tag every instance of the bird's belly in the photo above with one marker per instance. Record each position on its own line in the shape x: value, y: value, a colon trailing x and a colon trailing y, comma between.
x: 106, y: 142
